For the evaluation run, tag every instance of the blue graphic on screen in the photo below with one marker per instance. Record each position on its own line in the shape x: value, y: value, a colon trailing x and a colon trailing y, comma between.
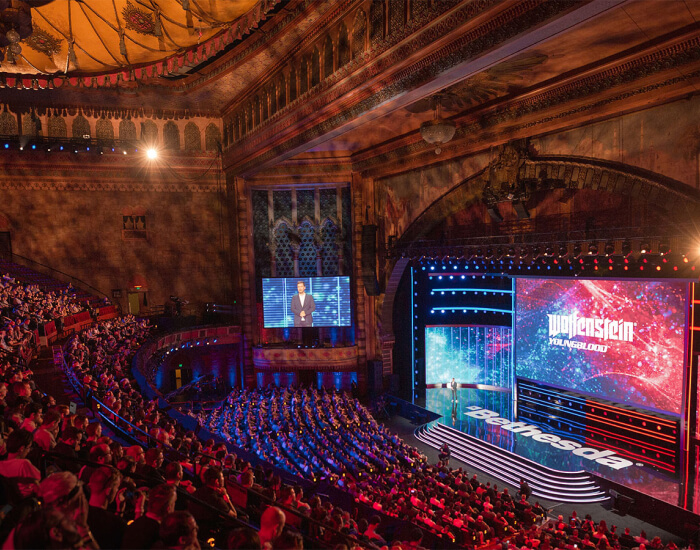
x: 330, y: 294
x: 470, y: 354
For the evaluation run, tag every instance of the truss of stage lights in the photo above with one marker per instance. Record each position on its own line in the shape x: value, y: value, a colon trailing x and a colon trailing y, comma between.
x: 587, y: 259
x: 84, y: 145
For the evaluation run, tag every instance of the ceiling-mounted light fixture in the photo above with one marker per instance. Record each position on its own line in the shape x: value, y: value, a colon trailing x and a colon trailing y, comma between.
x: 439, y: 130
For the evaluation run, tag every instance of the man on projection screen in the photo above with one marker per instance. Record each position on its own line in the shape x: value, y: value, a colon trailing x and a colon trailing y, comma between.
x: 303, y: 306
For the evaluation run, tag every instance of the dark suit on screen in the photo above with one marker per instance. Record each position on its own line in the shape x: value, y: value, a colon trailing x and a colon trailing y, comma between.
x: 308, y: 309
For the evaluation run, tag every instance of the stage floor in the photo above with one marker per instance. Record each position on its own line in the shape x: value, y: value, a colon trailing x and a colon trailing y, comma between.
x: 637, y: 477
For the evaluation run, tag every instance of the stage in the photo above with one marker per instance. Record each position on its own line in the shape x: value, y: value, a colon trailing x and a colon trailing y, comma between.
x: 473, y: 406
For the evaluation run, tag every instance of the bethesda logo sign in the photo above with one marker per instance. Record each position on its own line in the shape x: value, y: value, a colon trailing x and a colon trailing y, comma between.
x: 607, y: 458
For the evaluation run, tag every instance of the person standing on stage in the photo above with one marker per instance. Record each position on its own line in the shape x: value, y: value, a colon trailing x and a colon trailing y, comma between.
x: 303, y: 306
x: 453, y: 385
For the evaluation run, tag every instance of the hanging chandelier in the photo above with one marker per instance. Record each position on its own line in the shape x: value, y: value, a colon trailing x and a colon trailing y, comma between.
x: 15, y: 25
x: 439, y: 130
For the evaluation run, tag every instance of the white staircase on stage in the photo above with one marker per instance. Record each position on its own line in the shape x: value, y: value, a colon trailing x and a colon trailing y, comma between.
x: 511, y: 468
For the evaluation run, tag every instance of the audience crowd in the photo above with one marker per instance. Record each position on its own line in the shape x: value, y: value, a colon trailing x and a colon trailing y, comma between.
x: 68, y: 484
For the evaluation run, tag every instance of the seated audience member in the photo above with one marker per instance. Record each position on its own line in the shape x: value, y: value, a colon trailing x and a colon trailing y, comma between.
x: 16, y: 466
x: 107, y: 527
x: 213, y: 494
x: 45, y: 435
x: 289, y: 540
x: 102, y: 455
x: 68, y: 443
x: 151, y: 468
x: 178, y: 531
x: 51, y: 529
x: 271, y: 526
x: 144, y: 532
x: 243, y: 538
x: 371, y: 532
x: 63, y: 492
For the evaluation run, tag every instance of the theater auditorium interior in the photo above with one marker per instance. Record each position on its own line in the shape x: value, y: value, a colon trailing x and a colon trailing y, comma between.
x: 338, y: 274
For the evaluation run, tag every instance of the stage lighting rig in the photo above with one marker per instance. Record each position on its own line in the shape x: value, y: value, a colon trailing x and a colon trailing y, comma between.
x: 593, y: 249
x: 609, y: 248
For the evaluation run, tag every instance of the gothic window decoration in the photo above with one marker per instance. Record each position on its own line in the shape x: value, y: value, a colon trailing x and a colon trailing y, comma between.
x: 249, y: 117
x: 29, y: 124
x: 359, y: 32
x: 376, y: 22
x: 306, y: 204
x: 397, y: 16
x: 304, y: 76
x: 292, y: 84
x: 134, y: 225
x: 212, y: 137
x: 315, y: 67
x: 272, y: 92
x: 329, y: 252
x: 307, y: 250
x: 57, y: 127
x: 327, y: 57
x: 282, y: 92
x: 8, y: 124
x: 256, y: 110
x: 81, y: 127
x: 171, y: 136
x: 328, y: 203
x: 283, y: 251
x: 343, y: 46
x: 193, y: 137
x: 149, y: 132
x: 261, y: 233
x: 265, y: 100
x: 103, y: 130
x: 127, y: 130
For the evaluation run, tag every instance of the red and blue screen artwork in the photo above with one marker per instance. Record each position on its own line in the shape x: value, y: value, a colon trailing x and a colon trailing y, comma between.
x: 619, y: 340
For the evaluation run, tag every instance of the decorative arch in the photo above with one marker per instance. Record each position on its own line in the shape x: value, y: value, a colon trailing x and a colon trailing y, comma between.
x: 31, y: 124
x: 8, y: 124
x: 127, y: 130
x: 343, y: 45
x: 397, y: 15
x: 359, y: 33
x: 212, y: 137
x: 555, y: 172
x: 149, y: 132
x: 307, y: 249
x: 327, y: 57
x: 57, y: 127
x: 171, y: 136
x: 376, y: 22
x: 81, y: 127
x: 193, y: 137
x: 282, y: 92
x: 315, y: 67
x: 265, y: 104
x: 304, y: 76
x: 256, y: 110
x: 292, y: 84
x: 282, y: 245
x: 103, y: 129
x: 330, y: 248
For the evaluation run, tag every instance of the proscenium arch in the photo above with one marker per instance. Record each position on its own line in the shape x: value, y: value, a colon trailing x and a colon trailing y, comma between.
x: 565, y: 172
x: 552, y: 172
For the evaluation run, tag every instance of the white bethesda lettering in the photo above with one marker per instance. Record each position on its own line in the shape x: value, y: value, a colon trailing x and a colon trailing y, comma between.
x: 528, y: 430
x: 603, y: 329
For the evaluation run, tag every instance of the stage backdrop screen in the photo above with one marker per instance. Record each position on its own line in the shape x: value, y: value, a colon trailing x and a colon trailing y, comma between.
x: 330, y: 294
x: 619, y: 340
x: 470, y: 354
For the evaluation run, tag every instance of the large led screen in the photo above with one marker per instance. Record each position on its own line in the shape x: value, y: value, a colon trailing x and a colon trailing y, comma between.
x: 620, y: 340
x: 330, y: 297
x: 470, y: 354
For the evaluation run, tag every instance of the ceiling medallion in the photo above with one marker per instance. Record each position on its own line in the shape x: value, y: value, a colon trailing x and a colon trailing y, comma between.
x: 138, y: 20
x: 43, y: 42
x: 439, y: 130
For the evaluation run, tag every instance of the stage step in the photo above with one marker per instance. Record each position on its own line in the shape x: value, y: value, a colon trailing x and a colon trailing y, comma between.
x: 508, y: 467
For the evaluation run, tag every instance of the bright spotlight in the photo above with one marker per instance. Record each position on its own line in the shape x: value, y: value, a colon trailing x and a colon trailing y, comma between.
x: 152, y: 154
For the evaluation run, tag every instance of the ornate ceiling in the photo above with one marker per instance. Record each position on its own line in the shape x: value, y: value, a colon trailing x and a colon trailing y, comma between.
x: 102, y: 36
